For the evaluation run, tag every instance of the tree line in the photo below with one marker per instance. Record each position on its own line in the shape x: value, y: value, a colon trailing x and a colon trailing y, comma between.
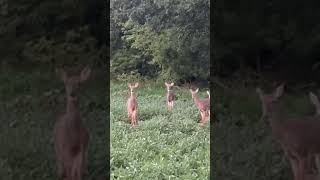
x: 267, y: 38
x: 160, y: 39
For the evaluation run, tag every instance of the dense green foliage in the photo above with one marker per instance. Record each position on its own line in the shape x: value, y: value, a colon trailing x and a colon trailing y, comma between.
x: 63, y: 32
x: 164, y: 145
x: 268, y: 36
x: 166, y: 39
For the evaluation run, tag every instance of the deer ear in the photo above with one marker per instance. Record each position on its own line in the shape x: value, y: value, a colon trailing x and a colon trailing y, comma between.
x: 197, y: 90
x: 313, y: 98
x: 136, y: 85
x: 62, y: 74
x: 171, y: 84
x: 85, y: 74
x: 165, y: 83
x: 279, y: 91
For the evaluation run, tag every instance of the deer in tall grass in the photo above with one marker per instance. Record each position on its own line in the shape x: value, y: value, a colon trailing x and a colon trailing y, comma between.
x: 70, y: 135
x: 202, y: 105
x: 171, y: 97
x: 299, y: 138
x: 132, y: 105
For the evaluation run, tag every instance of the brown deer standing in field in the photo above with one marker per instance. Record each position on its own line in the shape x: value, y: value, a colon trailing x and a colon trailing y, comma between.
x: 171, y: 97
x: 299, y: 139
x: 132, y: 105
x: 202, y: 105
x: 70, y: 134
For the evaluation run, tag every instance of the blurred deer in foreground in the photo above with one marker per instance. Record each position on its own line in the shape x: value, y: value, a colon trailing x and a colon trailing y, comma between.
x: 315, y: 101
x: 171, y: 97
x: 132, y: 105
x: 299, y: 138
x: 70, y: 134
x: 202, y: 105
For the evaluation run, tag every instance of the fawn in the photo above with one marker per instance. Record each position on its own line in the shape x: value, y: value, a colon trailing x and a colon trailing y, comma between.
x: 202, y: 105
x: 171, y: 97
x: 132, y: 105
x: 298, y: 138
x: 70, y: 134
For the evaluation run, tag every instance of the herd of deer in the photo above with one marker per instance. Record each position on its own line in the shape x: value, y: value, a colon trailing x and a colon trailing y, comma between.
x: 298, y: 138
x: 202, y: 105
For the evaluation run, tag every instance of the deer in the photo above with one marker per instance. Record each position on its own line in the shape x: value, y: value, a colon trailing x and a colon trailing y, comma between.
x: 70, y: 135
x: 132, y: 105
x: 298, y: 137
x: 208, y: 92
x: 171, y: 97
x: 202, y: 105
x: 315, y: 101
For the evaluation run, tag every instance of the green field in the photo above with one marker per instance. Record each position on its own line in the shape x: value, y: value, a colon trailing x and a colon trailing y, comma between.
x: 31, y: 101
x: 164, y: 145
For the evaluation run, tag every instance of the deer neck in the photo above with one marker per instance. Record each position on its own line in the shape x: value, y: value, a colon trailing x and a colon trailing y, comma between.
x: 196, y: 99
x: 131, y: 94
x: 72, y: 106
x: 275, y: 119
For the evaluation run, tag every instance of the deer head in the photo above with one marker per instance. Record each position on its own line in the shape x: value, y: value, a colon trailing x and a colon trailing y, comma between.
x: 73, y: 83
x: 133, y: 86
x: 194, y: 92
x: 168, y: 86
x: 269, y: 101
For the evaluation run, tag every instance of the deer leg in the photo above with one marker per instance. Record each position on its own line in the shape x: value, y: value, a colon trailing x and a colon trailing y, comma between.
x: 202, y: 118
x: 131, y: 118
x: 317, y: 163
x: 170, y: 105
x: 293, y: 162
x: 303, y: 166
x: 295, y: 168
x: 77, y: 165
x: 59, y: 162
x: 134, y: 117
